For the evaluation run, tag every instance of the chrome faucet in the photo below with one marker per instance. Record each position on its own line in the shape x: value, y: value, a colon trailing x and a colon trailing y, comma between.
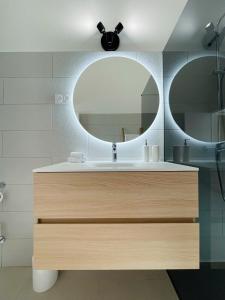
x: 114, y: 152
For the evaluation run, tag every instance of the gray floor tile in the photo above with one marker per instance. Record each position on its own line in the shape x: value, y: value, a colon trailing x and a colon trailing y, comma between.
x: 16, y: 284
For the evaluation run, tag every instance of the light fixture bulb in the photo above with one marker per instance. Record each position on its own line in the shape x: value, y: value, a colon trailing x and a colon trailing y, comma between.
x: 101, y: 27
x: 210, y: 26
x: 119, y: 28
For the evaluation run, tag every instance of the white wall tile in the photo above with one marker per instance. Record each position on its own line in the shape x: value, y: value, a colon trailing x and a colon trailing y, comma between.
x: 25, y: 117
x: 28, y: 90
x: 27, y: 143
x: 69, y: 64
x: 18, y: 198
x: 25, y: 65
x: 167, y: 82
x: 67, y: 135
x: 98, y: 150
x: 158, y: 122
x: 64, y: 144
x: 19, y: 170
x: 59, y: 158
x: 17, y: 252
x: 169, y: 120
x: 1, y: 144
x: 63, y: 86
x: 17, y: 224
x: 153, y: 61
x: 1, y: 91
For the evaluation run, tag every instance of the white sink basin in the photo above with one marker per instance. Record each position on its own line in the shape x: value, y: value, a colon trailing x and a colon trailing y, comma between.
x: 108, y: 166
x: 114, y: 165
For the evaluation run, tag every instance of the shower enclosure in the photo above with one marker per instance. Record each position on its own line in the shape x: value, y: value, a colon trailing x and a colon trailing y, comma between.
x: 214, y: 39
x: 194, y: 92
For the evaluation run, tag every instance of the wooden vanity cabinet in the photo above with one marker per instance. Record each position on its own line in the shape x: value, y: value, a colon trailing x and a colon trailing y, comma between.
x: 116, y: 220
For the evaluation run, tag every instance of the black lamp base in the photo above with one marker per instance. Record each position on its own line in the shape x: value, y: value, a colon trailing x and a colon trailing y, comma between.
x: 110, y: 41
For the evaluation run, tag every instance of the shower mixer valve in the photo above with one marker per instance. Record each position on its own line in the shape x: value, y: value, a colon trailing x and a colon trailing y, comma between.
x: 2, y: 239
x: 2, y: 187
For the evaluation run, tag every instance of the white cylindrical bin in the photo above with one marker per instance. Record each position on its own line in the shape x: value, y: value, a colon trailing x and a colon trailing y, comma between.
x: 43, y: 280
x: 155, y: 153
x: 2, y: 238
x: 2, y: 187
x: 1, y: 197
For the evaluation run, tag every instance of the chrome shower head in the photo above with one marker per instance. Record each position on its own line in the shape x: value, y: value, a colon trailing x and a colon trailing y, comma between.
x: 210, y: 36
x: 210, y: 27
x: 214, y: 35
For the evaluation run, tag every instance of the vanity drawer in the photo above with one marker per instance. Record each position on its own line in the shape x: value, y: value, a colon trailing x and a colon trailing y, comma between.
x: 116, y: 246
x: 116, y: 195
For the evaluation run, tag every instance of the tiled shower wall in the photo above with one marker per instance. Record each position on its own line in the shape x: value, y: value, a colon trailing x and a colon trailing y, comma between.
x: 212, y: 207
x: 35, y: 132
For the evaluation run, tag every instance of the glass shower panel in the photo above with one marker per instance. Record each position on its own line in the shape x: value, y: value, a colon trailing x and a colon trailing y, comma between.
x: 218, y: 126
x: 195, y: 110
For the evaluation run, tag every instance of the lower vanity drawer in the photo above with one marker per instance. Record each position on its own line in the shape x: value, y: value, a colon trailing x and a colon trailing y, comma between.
x: 116, y: 246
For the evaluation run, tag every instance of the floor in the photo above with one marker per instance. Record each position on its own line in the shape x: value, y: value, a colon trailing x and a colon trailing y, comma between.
x: 208, y: 283
x: 16, y: 284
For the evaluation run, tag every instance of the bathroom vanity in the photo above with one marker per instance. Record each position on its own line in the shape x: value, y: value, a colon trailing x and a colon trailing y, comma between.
x: 115, y: 216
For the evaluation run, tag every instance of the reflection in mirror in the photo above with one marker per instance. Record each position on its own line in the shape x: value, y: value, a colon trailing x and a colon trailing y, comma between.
x: 196, y: 103
x: 116, y: 99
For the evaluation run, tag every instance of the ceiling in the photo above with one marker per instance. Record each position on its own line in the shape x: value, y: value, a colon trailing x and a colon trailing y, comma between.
x: 67, y: 25
x: 190, y: 29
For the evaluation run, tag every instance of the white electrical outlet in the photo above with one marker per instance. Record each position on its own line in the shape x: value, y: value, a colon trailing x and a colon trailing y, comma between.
x: 59, y: 99
x: 62, y: 99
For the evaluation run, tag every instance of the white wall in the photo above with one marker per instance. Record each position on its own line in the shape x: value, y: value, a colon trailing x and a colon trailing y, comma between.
x: 56, y: 25
x: 35, y: 132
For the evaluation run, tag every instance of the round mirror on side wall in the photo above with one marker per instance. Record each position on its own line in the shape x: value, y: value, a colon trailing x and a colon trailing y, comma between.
x: 116, y: 99
x: 197, y: 99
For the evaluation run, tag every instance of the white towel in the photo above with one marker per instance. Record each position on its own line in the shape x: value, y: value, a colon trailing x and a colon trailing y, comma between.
x: 76, y: 157
x: 76, y: 154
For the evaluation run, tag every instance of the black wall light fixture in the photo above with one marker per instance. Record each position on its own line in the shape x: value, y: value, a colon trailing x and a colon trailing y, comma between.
x: 110, y: 40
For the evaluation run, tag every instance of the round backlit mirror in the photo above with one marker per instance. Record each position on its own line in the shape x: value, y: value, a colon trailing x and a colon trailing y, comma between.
x: 197, y: 99
x: 116, y: 99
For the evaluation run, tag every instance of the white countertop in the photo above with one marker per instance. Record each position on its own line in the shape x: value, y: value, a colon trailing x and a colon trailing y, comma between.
x: 120, y: 166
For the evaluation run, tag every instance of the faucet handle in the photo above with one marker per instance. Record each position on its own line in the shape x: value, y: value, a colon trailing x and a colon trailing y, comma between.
x: 114, y: 146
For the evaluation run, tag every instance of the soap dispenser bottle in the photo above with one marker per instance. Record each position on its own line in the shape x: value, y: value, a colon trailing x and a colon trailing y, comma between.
x: 146, y: 151
x: 186, y: 153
